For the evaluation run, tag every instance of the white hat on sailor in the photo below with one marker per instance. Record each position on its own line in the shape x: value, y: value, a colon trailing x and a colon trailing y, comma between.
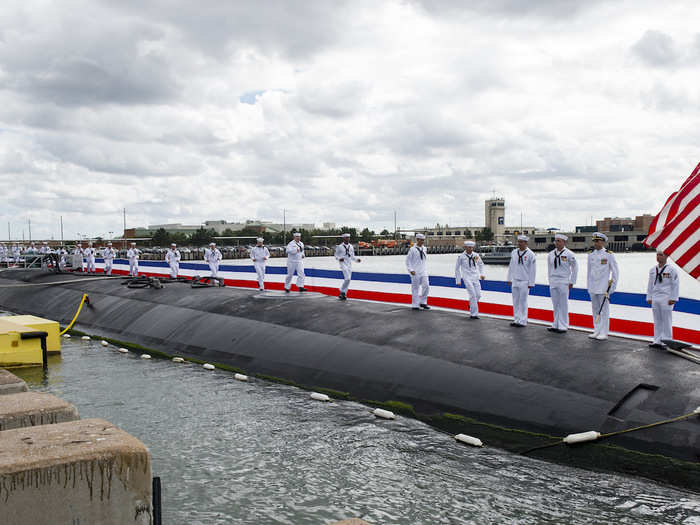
x: 297, y: 234
x: 523, y: 238
x: 109, y: 244
x: 345, y: 236
x: 259, y: 239
x: 173, y: 244
x: 212, y: 244
x: 420, y: 236
x: 601, y: 236
x: 560, y: 236
x: 469, y: 243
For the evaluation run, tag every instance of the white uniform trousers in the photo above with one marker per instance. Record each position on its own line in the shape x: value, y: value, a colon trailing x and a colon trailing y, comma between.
x: 474, y: 291
x: 347, y: 275
x: 90, y: 264
x: 560, y: 305
x: 133, y: 267
x: 293, y: 266
x: 260, y: 270
x: 520, y: 293
x: 663, y: 323
x: 419, y: 290
x: 174, y: 269
x: 214, y: 268
x: 108, y: 266
x: 602, y: 326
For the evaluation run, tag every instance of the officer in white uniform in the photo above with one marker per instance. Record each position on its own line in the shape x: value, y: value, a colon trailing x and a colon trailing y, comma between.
x: 662, y: 294
x: 90, y: 254
x: 345, y: 254
x: 259, y: 254
x: 416, y: 264
x: 61, y: 257
x: 3, y: 252
x: 133, y: 255
x: 603, y: 276
x: 521, y: 276
x: 213, y: 257
x: 45, y: 248
x: 77, y: 259
x: 16, y: 251
x: 108, y: 254
x: 295, y: 262
x: 563, y: 272
x: 469, y: 270
x: 172, y: 257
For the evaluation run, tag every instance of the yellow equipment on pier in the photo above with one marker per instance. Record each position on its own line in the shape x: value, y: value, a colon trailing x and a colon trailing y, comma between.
x: 15, y: 351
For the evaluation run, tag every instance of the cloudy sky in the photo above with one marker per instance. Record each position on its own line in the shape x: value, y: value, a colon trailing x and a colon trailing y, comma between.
x: 184, y: 111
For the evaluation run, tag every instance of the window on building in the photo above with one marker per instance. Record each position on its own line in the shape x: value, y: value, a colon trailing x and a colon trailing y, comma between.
x: 641, y: 237
x: 579, y: 239
x: 540, y: 240
x: 621, y: 237
x: 448, y: 233
x: 430, y: 233
x: 439, y: 233
x: 457, y: 232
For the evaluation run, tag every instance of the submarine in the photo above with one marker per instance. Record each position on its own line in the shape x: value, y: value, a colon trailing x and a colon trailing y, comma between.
x: 522, y: 390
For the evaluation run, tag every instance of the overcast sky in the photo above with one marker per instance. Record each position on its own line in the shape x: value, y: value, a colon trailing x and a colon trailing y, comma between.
x: 343, y: 111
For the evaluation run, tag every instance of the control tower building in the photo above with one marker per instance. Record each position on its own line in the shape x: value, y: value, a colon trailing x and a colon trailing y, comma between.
x: 495, y: 217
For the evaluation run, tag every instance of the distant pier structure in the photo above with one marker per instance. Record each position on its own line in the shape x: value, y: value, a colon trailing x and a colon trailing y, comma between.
x: 495, y: 217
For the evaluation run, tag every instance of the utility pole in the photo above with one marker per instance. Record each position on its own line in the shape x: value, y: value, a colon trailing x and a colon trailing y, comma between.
x: 9, y: 236
x: 29, y: 220
x: 124, y: 234
x: 61, y: 230
x: 284, y: 227
x: 394, y: 224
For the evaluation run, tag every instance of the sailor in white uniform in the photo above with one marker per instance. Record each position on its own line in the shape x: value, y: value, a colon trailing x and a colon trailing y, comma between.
x: 603, y: 276
x: 45, y: 248
x: 563, y: 272
x: 77, y: 262
x: 416, y: 264
x: 259, y: 254
x: 3, y: 252
x: 662, y: 294
x: 62, y: 253
x: 213, y: 257
x: 108, y: 254
x: 16, y: 252
x: 345, y: 254
x: 295, y: 262
x: 133, y: 255
x: 521, y: 276
x: 172, y: 257
x: 90, y: 254
x: 470, y: 270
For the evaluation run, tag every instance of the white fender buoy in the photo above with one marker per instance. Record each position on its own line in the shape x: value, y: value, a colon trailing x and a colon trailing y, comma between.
x: 123, y: 351
x: 696, y: 411
x: 240, y: 377
x: 178, y: 360
x: 319, y: 397
x: 85, y: 338
x: 469, y: 440
x: 145, y: 356
x: 591, y: 435
x: 384, y: 414
x: 104, y: 343
x: 67, y: 336
x: 207, y: 366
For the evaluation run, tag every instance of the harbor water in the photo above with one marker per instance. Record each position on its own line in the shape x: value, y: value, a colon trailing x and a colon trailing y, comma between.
x: 262, y: 453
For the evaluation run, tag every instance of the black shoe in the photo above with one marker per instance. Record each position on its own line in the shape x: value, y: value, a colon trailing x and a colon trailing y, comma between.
x: 302, y: 289
x: 286, y: 291
x: 415, y: 308
x: 474, y: 317
x: 657, y: 345
x: 552, y: 329
x: 514, y: 324
x: 342, y: 297
x: 425, y: 307
x: 561, y: 331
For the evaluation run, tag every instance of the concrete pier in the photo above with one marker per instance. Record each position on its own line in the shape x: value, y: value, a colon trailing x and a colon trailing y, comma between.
x: 11, y: 384
x: 28, y: 409
x: 79, y: 472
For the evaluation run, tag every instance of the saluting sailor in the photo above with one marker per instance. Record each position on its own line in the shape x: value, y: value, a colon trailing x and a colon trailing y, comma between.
x: 662, y: 294
x: 259, y: 253
x: 108, y: 254
x: 469, y: 270
x: 90, y: 253
x: 213, y: 256
x: 563, y: 272
x: 133, y: 255
x: 521, y: 277
x: 172, y: 257
x: 416, y: 265
x: 603, y: 276
x: 345, y: 254
x: 295, y: 262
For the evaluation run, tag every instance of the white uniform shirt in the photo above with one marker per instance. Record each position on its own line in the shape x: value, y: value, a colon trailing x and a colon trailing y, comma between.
x: 295, y: 251
x: 90, y: 252
x: 212, y: 256
x: 416, y: 260
x: 109, y: 253
x: 562, y: 267
x: 172, y: 256
x: 133, y: 254
x: 522, y: 266
x: 469, y: 267
x: 602, y: 267
x: 45, y: 249
x: 663, y: 283
x: 345, y: 252
x: 259, y: 253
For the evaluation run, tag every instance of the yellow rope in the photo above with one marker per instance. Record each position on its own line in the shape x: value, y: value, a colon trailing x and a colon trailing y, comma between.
x: 82, y: 302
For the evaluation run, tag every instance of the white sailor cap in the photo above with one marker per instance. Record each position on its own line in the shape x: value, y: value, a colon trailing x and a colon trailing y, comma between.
x: 601, y: 236
x: 297, y: 234
x: 44, y: 242
x: 212, y: 244
x: 109, y: 244
x: 469, y: 243
x: 420, y: 236
x: 523, y: 238
x: 173, y: 244
x: 345, y: 236
x: 259, y: 239
x: 560, y: 236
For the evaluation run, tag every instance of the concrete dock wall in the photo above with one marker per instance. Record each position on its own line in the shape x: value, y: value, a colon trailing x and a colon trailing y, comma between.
x: 11, y: 384
x: 28, y: 409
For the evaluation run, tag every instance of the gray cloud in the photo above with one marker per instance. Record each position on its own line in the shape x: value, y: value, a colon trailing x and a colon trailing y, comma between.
x: 656, y: 49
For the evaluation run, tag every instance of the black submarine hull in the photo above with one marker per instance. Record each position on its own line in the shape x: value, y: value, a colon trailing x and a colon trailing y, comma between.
x: 513, y: 388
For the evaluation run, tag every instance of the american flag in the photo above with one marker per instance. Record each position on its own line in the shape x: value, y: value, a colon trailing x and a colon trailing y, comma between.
x: 676, y: 229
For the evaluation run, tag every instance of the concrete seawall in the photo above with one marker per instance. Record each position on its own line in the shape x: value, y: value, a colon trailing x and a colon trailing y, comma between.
x: 11, y: 384
x: 28, y: 409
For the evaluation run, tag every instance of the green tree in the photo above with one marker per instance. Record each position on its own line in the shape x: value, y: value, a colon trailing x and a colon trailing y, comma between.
x: 484, y: 235
x: 161, y: 238
x: 468, y: 234
x: 385, y: 233
x: 202, y: 237
x: 366, y: 235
